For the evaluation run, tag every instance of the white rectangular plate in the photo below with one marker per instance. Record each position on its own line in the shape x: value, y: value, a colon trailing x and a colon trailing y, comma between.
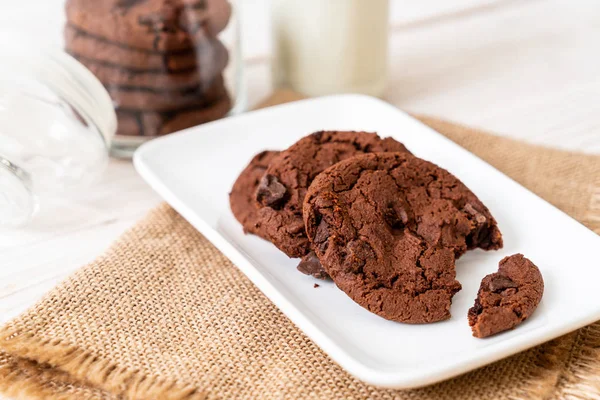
x: 194, y: 170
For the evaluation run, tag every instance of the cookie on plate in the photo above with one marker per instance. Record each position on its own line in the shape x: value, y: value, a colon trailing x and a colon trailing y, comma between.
x: 153, y: 123
x: 242, y: 197
x: 507, y: 297
x: 158, y: 25
x: 283, y: 187
x: 387, y: 228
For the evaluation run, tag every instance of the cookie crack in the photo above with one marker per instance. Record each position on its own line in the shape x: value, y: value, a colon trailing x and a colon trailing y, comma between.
x: 424, y: 246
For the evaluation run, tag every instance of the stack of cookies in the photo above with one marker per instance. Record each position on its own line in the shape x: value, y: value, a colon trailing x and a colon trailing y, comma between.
x: 160, y: 60
x: 384, y: 225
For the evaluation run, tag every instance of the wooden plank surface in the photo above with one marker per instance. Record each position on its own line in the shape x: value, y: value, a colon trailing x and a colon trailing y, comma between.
x: 528, y: 69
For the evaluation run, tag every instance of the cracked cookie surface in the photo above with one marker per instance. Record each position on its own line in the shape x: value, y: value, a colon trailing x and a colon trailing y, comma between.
x: 288, y: 176
x: 387, y: 228
x: 506, y: 298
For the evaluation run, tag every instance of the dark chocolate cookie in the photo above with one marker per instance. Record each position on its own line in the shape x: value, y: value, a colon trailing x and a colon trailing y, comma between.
x: 147, y: 99
x: 242, y: 198
x: 506, y: 298
x: 387, y: 228
x: 118, y: 64
x: 88, y: 47
x: 114, y: 76
x: 159, y: 25
x: 211, y: 16
x: 283, y: 187
x: 152, y: 123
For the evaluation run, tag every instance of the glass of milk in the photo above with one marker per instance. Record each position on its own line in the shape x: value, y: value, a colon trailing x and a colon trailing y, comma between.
x: 333, y: 46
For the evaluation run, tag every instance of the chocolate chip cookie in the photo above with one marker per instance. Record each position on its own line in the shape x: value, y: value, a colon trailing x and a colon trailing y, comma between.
x: 242, y: 198
x: 120, y: 64
x: 506, y: 298
x: 148, y: 99
x: 152, y: 123
x: 115, y: 76
x: 89, y: 47
x: 158, y: 25
x: 283, y: 187
x: 211, y: 16
x: 387, y: 227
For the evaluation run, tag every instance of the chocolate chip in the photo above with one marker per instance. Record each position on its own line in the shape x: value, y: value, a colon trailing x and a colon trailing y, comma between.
x: 126, y: 4
x: 396, y: 217
x: 480, y: 236
x: 316, y: 285
x: 318, y: 136
x: 310, y: 265
x: 270, y: 191
x: 479, y: 217
x: 477, y: 307
x: 322, y: 233
x: 199, y: 5
x: 499, y: 283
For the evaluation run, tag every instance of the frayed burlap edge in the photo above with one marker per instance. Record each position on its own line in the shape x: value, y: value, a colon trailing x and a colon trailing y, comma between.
x: 26, y: 378
x: 80, y: 365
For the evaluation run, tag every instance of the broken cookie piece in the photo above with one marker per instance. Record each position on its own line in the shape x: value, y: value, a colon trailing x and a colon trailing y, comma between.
x: 506, y: 298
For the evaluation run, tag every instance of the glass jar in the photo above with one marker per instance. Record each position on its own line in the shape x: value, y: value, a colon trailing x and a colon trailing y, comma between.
x: 56, y: 125
x: 167, y: 64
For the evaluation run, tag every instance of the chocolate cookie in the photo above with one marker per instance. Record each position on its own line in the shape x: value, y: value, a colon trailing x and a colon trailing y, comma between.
x: 110, y: 75
x: 209, y: 15
x: 206, y: 61
x: 148, y: 99
x: 506, y: 298
x: 387, y: 228
x: 283, y: 187
x: 242, y: 198
x: 159, y: 25
x: 88, y: 47
x: 149, y: 123
x: 114, y: 76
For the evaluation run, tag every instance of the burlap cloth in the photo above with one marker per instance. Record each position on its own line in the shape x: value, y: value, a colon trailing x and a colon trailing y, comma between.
x: 164, y: 315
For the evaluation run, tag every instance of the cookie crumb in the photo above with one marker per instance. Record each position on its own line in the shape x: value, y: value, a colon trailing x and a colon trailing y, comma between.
x: 316, y: 285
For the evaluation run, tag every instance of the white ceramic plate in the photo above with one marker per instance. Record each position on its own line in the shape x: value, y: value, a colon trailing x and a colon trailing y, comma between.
x: 194, y: 170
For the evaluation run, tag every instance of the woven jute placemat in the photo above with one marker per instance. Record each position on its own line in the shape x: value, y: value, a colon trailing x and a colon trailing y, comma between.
x: 164, y: 315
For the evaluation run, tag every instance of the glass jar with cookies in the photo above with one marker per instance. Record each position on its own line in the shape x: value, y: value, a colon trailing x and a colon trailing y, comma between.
x: 167, y: 64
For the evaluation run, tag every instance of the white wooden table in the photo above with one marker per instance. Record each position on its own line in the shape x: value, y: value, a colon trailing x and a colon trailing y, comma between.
x: 524, y: 68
